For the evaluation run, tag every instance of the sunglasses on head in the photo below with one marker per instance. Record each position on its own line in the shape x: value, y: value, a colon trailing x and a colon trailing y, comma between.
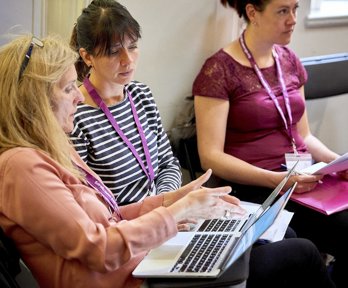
x: 34, y: 42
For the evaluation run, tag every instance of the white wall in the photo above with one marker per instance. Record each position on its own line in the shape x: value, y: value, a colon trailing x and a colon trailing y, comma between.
x: 328, y: 119
x: 21, y: 16
x: 62, y: 15
x: 317, y: 41
x: 176, y: 38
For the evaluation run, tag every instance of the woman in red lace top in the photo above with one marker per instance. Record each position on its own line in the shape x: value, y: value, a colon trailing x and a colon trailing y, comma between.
x: 250, y: 111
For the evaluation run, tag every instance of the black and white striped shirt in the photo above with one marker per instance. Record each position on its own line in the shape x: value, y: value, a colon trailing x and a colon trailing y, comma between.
x: 100, y: 146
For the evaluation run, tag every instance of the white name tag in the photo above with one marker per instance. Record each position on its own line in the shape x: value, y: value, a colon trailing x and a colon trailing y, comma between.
x: 304, y: 160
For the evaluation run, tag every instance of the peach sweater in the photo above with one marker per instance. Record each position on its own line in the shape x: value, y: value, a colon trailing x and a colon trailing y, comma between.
x: 65, y: 232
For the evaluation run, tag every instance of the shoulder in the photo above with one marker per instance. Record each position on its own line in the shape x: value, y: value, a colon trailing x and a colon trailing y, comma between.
x: 220, y: 57
x: 85, y: 111
x: 288, y: 56
x: 85, y: 119
x: 218, y: 66
x: 215, y: 76
x: 22, y: 159
x: 19, y: 153
x: 140, y: 92
x: 286, y: 53
x: 136, y: 87
x: 291, y: 64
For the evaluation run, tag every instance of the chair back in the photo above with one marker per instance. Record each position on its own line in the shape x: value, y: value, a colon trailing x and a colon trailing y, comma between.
x: 9, y: 262
x: 327, y: 75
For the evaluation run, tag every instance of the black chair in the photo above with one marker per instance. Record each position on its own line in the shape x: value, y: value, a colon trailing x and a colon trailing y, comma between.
x: 188, y: 156
x: 13, y: 272
x: 9, y: 262
x: 327, y: 75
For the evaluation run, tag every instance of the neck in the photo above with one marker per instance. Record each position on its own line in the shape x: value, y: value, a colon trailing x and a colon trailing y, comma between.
x: 260, y: 49
x: 111, y: 93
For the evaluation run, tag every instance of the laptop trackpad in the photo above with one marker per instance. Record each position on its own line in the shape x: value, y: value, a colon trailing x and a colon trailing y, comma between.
x: 161, y: 259
x: 165, y: 252
x: 171, y: 248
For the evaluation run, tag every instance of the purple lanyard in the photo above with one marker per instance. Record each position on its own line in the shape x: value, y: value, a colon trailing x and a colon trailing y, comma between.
x: 103, y: 191
x: 99, y: 101
x: 269, y: 90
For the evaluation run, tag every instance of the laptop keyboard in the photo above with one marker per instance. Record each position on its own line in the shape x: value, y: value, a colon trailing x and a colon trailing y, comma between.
x: 219, y: 225
x: 202, y: 253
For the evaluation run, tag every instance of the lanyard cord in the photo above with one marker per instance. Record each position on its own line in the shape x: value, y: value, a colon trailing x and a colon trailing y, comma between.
x: 268, y: 88
x: 99, y: 101
x: 103, y: 191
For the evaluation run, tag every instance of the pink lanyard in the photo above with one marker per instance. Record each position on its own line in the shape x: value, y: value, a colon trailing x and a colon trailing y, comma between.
x: 269, y: 90
x: 103, y: 191
x: 99, y: 101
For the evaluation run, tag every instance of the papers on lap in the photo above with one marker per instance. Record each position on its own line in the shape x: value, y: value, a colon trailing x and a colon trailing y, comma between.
x: 329, y: 197
x: 277, y: 231
x: 322, y: 168
x: 332, y: 195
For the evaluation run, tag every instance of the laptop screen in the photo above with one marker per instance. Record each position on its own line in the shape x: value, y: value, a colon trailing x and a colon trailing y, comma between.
x: 253, y: 233
x: 270, y: 199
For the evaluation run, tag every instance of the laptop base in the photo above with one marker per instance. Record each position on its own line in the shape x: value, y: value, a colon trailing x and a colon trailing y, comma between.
x: 234, y: 277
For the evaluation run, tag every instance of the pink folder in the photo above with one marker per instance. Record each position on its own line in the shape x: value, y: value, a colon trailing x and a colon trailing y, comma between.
x: 329, y: 197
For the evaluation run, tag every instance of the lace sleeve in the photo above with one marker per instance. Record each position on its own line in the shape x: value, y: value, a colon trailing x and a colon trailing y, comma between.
x: 211, y: 80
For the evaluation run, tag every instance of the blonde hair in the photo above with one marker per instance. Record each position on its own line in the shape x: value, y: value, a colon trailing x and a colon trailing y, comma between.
x: 26, y: 116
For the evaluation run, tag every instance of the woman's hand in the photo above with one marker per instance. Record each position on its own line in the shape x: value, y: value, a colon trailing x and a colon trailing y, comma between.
x: 173, y: 196
x: 305, y: 183
x: 206, y: 203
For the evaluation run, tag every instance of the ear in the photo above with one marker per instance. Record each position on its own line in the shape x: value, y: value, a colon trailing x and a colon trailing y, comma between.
x: 250, y: 12
x: 86, y: 57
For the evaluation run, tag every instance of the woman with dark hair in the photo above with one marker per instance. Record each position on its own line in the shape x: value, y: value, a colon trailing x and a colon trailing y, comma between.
x: 118, y: 130
x: 251, y: 119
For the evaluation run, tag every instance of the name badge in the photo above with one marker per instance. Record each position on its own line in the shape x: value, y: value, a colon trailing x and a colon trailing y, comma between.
x: 304, y: 160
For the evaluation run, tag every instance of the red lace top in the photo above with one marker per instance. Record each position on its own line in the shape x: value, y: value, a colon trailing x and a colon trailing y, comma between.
x: 255, y: 131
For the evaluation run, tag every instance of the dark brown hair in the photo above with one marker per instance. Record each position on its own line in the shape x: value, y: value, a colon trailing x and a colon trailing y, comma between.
x: 239, y: 6
x: 102, y: 24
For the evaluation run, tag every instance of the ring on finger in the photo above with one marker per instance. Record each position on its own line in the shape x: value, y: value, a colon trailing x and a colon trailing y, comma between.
x: 227, y: 214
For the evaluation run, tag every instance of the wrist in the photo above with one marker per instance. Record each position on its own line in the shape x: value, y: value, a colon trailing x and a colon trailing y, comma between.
x: 177, y: 211
x: 168, y: 198
x: 275, y: 178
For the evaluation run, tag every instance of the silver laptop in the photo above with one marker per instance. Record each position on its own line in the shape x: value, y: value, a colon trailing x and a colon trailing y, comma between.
x: 239, y: 224
x: 208, y: 254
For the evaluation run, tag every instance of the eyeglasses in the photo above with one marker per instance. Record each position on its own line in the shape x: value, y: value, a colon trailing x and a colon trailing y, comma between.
x: 34, y: 41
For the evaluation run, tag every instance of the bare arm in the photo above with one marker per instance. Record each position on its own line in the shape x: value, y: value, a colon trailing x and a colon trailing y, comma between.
x: 211, y: 120
x: 319, y: 151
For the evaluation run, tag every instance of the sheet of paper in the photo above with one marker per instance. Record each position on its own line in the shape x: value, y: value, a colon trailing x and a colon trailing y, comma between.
x: 322, y: 168
x: 314, y: 168
x: 277, y: 231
